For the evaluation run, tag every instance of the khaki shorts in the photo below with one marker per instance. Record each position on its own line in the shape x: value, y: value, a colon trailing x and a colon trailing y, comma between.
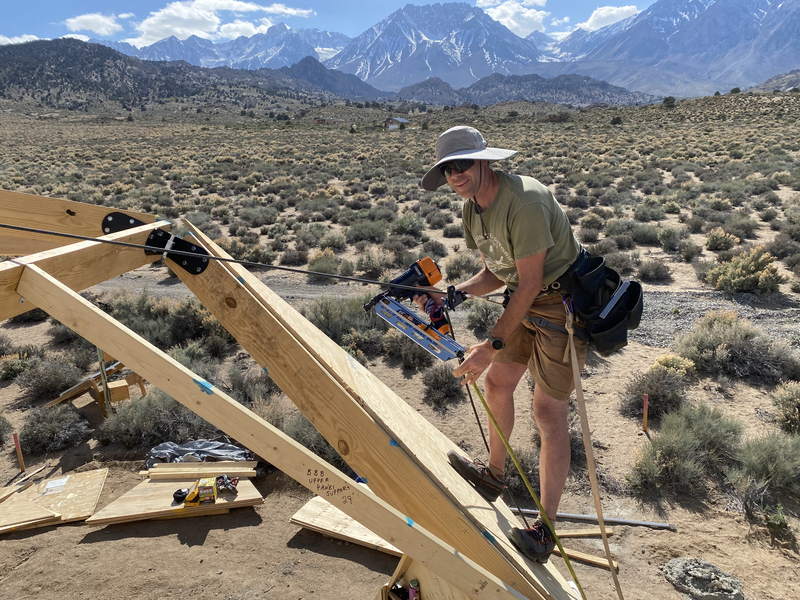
x: 542, y: 349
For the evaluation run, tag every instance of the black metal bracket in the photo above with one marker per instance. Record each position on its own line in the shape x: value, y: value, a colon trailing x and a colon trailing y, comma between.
x: 192, y: 258
x: 114, y: 222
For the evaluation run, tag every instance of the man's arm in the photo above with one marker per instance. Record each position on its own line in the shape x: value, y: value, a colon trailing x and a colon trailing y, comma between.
x: 530, y: 271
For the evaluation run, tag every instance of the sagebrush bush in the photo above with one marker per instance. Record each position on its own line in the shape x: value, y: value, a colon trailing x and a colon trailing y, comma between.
x: 442, y: 388
x: 335, y: 241
x: 786, y: 399
x: 6, y: 346
x: 45, y: 379
x: 671, y: 362
x: 529, y: 461
x: 5, y: 429
x: 723, y: 344
x: 53, y: 428
x: 483, y: 315
x: 689, y: 250
x: 665, y: 391
x: 654, y: 271
x: 411, y: 354
x: 750, y: 271
x: 151, y: 420
x: 336, y: 317
x: 461, y: 266
x: 717, y: 239
x: 773, y: 460
x: 249, y: 385
x: 300, y: 429
x: 456, y: 230
x: 670, y: 238
x: 323, y: 262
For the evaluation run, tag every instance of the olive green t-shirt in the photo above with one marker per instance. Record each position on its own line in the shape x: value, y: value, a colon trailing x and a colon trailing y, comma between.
x: 523, y: 220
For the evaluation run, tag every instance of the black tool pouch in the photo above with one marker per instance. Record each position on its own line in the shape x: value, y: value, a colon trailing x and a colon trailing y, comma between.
x: 607, y: 315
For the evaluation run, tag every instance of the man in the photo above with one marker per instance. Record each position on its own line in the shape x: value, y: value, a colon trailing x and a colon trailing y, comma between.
x: 526, y: 244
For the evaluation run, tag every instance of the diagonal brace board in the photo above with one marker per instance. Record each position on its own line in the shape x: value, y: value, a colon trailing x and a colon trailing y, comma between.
x: 324, y: 383
x: 258, y: 435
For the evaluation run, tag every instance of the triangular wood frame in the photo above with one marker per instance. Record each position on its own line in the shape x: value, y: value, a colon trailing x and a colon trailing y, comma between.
x: 414, y: 500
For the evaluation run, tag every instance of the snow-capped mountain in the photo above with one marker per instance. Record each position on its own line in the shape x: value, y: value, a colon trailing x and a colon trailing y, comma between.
x: 456, y: 42
x: 279, y: 46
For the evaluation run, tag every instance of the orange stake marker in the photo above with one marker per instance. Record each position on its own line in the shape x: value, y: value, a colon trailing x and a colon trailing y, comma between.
x: 644, y: 422
x: 19, y: 453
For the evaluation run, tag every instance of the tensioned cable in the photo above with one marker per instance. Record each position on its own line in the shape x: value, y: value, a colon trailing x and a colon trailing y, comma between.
x: 246, y: 263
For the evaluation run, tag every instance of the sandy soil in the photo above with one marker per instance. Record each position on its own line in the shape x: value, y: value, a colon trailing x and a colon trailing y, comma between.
x: 257, y: 553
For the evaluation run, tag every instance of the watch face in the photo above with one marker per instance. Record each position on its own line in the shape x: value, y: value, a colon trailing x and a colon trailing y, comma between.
x: 498, y: 344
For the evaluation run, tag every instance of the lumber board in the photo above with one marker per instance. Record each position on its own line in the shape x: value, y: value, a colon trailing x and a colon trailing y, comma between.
x: 78, y: 266
x: 18, y: 246
x: 153, y: 499
x: 211, y: 465
x: 272, y: 444
x: 368, y: 424
x: 75, y: 500
x: 587, y: 558
x: 54, y: 214
x: 321, y: 516
x: 583, y: 533
x: 19, y: 513
x: 431, y: 586
x: 172, y: 475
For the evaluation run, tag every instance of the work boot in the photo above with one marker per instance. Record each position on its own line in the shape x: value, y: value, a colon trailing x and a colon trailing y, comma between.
x: 536, y: 543
x: 478, y: 474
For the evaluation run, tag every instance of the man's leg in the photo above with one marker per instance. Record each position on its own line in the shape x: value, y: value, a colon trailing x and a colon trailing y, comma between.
x: 500, y: 382
x: 554, y: 457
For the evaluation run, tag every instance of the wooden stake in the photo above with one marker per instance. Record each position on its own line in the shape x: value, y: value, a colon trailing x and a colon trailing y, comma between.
x: 644, y: 422
x: 19, y: 453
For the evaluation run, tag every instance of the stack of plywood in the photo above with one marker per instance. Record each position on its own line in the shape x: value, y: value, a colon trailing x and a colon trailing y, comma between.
x: 152, y: 499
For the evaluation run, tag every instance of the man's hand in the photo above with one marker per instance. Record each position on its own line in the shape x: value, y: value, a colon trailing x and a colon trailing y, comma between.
x: 479, y: 357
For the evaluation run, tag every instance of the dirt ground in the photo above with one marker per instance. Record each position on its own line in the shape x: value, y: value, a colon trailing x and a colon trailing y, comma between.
x: 256, y: 553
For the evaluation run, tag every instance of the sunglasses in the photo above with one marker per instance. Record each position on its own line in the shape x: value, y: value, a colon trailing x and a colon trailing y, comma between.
x: 459, y: 166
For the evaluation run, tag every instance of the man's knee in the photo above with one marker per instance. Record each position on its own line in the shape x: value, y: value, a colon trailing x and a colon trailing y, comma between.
x: 503, y: 378
x: 550, y: 414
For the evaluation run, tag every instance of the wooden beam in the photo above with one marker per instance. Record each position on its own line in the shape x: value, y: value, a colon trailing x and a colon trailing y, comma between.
x: 78, y: 266
x: 261, y: 437
x: 18, y: 246
x: 401, y: 455
x: 53, y: 214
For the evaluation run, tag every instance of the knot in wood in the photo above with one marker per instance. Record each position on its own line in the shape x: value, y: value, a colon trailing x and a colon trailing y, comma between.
x: 231, y: 302
x: 344, y: 449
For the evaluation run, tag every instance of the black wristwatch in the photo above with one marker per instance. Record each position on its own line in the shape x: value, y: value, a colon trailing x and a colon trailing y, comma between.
x: 496, y: 343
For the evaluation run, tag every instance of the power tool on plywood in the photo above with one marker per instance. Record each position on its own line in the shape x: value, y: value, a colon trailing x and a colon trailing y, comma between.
x: 432, y: 336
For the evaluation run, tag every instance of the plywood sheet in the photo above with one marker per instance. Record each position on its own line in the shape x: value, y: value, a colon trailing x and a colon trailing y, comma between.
x: 19, y: 513
x: 213, y: 465
x: 153, y: 499
x: 73, y: 495
x: 321, y: 516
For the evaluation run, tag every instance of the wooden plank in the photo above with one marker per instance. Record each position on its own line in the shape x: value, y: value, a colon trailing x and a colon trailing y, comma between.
x: 368, y: 424
x: 18, y: 246
x: 73, y: 495
x: 587, y: 558
x: 53, y: 214
x: 13, y: 489
x: 261, y: 437
x: 319, y: 515
x: 196, y: 474
x: 582, y: 533
x: 77, y: 266
x: 211, y: 465
x: 431, y: 586
x: 153, y: 499
x: 20, y: 513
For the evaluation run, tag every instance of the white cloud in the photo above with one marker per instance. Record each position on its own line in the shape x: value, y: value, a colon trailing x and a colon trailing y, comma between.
x: 126, y: 15
x: 19, y: 39
x: 76, y: 36
x: 95, y: 22
x: 607, y: 15
x: 203, y: 19
x: 485, y: 3
x: 559, y: 22
x: 517, y: 17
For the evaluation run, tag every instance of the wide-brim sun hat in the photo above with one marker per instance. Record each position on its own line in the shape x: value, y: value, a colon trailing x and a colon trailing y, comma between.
x: 460, y: 142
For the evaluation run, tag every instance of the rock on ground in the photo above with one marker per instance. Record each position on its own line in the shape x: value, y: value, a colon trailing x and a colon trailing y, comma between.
x: 702, y: 580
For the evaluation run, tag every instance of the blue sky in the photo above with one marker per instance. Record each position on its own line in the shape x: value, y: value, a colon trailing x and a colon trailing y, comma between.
x: 142, y: 22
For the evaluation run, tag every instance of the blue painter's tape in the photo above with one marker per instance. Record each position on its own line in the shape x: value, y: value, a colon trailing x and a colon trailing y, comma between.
x: 205, y: 386
x: 489, y: 537
x: 265, y: 370
x: 241, y: 280
x: 393, y: 443
x: 360, y: 479
x: 410, y: 522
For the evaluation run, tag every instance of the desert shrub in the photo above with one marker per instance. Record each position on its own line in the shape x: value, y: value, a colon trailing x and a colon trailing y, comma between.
x: 411, y: 354
x: 259, y: 215
x: 647, y: 235
x: 251, y: 252
x: 461, y: 266
x: 670, y: 237
x: 435, y: 249
x: 783, y: 246
x: 249, y: 385
x: 723, y: 344
x: 603, y: 248
x: 151, y: 420
x: 369, y: 342
x: 370, y: 231
x: 323, y: 262
x: 689, y: 250
x: 300, y: 429
x: 592, y: 221
x: 665, y: 389
x: 347, y: 268
x: 739, y: 224
x: 588, y: 236
x: 5, y: 429
x: 645, y: 214
x: 49, y: 429
x: 441, y: 387
x: 654, y: 270
x: 456, y: 230
x: 768, y: 214
x: 335, y: 241
x: 622, y: 262
x: 717, y: 239
x: 35, y: 315
x: 751, y: 271
x: 483, y: 315
x: 672, y: 208
x: 336, y: 317
x: 773, y: 461
x: 695, y: 224
x: 786, y: 399
x: 529, y: 460
x: 373, y: 264
x: 6, y: 346
x: 310, y: 236
x: 47, y: 378
x: 692, y: 442
x: 673, y: 362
